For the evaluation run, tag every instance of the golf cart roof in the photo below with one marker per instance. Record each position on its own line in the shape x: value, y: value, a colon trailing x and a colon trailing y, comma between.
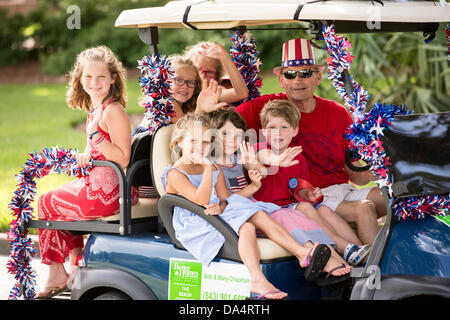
x: 227, y: 14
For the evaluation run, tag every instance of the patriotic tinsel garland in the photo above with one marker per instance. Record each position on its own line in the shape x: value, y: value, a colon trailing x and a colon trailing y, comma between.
x: 339, y: 60
x: 447, y: 33
x: 157, y: 74
x: 243, y: 53
x: 38, y: 165
x: 364, y: 135
x: 416, y: 207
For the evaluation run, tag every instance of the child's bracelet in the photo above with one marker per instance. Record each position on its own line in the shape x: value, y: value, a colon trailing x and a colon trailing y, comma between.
x: 95, y: 141
x: 99, y: 140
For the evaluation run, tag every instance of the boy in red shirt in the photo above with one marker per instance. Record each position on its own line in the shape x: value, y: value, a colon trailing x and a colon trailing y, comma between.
x: 281, y: 161
x: 286, y: 181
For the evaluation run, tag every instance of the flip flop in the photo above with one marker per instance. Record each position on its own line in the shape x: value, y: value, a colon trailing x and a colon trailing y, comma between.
x: 53, y: 291
x: 256, y: 296
x: 335, y: 281
x: 318, y: 261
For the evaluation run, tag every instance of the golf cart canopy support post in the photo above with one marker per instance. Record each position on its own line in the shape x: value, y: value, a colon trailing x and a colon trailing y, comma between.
x: 150, y: 37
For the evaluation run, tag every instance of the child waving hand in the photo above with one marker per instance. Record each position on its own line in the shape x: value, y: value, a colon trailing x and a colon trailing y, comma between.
x: 197, y: 178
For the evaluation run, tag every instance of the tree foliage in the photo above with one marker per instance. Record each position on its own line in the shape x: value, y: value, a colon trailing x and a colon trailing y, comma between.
x: 402, y: 69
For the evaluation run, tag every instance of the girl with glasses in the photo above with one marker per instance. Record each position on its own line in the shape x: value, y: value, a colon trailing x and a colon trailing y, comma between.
x: 185, y: 90
x: 185, y: 86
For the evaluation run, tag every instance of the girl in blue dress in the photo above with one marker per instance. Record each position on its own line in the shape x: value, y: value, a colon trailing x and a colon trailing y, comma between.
x: 198, y: 179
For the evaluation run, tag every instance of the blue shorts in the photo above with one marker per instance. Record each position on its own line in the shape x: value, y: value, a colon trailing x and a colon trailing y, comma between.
x: 293, y: 205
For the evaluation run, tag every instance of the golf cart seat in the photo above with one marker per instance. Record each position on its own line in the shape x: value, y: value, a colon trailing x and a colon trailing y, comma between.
x: 161, y: 158
x: 140, y: 176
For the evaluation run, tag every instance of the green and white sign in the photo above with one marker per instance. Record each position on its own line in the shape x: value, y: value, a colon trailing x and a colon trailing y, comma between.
x: 191, y: 280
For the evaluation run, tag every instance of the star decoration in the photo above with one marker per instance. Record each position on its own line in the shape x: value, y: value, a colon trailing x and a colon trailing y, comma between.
x: 378, y: 129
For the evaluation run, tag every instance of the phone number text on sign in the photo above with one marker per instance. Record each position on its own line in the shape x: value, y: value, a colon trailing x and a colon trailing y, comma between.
x: 207, y: 295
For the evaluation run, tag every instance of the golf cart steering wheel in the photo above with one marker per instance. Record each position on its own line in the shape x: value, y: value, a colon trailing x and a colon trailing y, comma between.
x: 349, y: 163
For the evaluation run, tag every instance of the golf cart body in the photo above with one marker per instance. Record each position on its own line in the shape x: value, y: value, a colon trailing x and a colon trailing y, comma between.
x: 411, y: 258
x: 130, y: 257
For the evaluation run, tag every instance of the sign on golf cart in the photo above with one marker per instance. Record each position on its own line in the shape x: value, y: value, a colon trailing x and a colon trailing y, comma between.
x: 191, y: 280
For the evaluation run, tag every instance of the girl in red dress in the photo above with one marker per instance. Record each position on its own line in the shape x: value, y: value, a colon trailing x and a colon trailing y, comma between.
x: 97, y: 85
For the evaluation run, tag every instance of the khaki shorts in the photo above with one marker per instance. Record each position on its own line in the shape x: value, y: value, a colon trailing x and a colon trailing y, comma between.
x: 335, y: 194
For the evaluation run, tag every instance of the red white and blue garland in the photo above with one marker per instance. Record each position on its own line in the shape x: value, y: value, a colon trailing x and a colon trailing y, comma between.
x: 364, y: 135
x: 447, y: 33
x: 339, y: 60
x: 157, y: 74
x: 244, y: 55
x: 364, y: 139
x: 416, y: 207
x: 38, y: 165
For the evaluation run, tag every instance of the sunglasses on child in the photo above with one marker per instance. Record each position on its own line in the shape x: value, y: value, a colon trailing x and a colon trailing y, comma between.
x: 180, y: 82
x: 291, y: 74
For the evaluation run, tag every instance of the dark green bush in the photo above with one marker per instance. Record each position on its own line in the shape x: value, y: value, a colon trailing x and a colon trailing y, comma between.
x: 56, y: 45
x: 11, y: 40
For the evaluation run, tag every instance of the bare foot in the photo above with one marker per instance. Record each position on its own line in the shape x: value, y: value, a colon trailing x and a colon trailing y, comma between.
x: 333, y: 263
x: 335, y: 255
x: 74, y: 259
x: 71, y: 274
x: 263, y: 286
x: 57, y: 278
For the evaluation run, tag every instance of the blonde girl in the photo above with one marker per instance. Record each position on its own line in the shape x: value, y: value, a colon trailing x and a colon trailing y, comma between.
x: 97, y: 86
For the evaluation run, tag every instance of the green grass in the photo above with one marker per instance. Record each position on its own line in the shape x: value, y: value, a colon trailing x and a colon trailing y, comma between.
x: 270, y: 84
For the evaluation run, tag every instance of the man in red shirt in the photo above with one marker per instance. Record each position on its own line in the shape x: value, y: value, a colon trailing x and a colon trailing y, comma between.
x: 322, y: 125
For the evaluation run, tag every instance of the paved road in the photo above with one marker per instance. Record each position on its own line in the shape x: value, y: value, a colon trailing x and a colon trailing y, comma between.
x: 7, y: 280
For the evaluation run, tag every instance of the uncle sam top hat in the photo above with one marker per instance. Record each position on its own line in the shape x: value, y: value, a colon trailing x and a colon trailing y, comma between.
x: 297, y: 52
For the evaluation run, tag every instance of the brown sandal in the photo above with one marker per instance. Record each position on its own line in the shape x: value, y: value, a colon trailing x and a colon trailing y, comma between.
x: 54, y: 291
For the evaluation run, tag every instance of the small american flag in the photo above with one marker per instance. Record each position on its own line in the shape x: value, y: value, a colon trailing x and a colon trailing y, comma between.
x: 237, y: 183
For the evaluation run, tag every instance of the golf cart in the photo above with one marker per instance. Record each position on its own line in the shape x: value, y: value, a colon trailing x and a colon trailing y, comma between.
x: 135, y: 254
